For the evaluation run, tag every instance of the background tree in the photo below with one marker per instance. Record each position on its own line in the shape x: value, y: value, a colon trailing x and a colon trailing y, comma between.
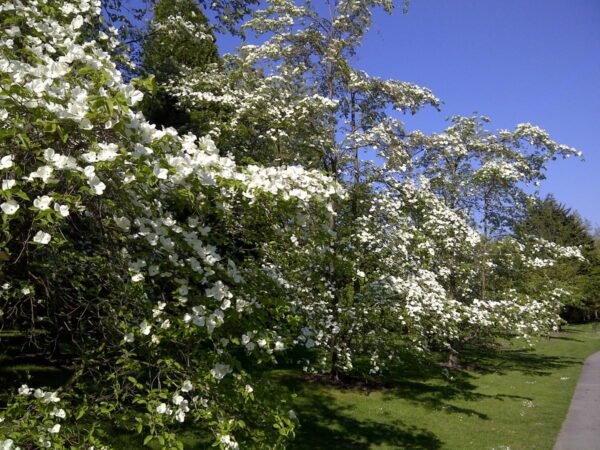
x: 555, y: 222
x: 178, y: 37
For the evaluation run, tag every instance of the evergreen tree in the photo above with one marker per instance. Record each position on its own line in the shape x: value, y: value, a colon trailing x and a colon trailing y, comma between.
x: 555, y: 222
x: 178, y: 37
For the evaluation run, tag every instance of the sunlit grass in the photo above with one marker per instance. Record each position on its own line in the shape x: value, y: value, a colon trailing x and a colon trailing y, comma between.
x: 517, y: 399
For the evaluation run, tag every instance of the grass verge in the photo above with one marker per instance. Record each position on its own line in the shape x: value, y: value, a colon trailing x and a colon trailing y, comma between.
x: 517, y: 400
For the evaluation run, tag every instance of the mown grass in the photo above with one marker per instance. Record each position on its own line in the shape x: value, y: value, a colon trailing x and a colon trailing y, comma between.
x: 516, y: 397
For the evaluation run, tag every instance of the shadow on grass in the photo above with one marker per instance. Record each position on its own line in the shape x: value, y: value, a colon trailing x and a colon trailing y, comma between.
x: 433, y: 386
x: 525, y: 360
x: 327, y: 425
x: 566, y: 338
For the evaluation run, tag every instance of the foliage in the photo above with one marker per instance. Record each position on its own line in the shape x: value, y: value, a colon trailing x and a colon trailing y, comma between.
x: 178, y: 37
x: 171, y: 271
x: 138, y: 248
x: 550, y: 220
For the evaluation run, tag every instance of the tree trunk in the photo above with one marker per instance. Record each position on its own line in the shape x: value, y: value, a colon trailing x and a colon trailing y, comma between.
x: 453, y: 360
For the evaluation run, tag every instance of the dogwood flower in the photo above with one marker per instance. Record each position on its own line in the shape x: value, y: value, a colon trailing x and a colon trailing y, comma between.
x: 63, y: 210
x: 51, y: 397
x: 25, y: 390
x: 8, y: 184
x: 9, y: 207
x: 8, y: 444
x: 58, y: 412
x: 41, y: 237
x: 145, y: 328
x: 162, y: 408
x: 6, y: 162
x: 42, y: 203
x: 220, y: 370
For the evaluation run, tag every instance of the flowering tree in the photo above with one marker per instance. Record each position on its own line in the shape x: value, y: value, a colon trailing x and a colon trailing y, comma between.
x: 170, y: 275
x: 309, y: 85
x: 486, y: 178
x: 458, y: 179
x: 137, y: 251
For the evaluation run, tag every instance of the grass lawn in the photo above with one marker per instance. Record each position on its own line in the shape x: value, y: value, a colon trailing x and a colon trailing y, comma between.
x: 517, y: 399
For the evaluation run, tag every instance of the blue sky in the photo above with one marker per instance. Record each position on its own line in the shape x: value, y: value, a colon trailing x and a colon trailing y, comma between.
x: 514, y: 61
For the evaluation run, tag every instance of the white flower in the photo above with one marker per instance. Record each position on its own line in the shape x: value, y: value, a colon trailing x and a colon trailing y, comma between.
x: 6, y: 162
x: 43, y: 172
x: 137, y: 277
x: 9, y: 207
x: 60, y: 413
x: 219, y: 291
x: 51, y: 397
x: 132, y: 95
x: 229, y: 442
x: 63, y: 210
x: 220, y: 371
x: 108, y: 152
x: 249, y: 389
x: 77, y: 22
x: 177, y: 399
x: 90, y: 157
x: 129, y: 338
x: 145, y: 328
x: 89, y: 171
x: 180, y: 415
x: 160, y: 173
x: 49, y: 154
x: 55, y: 429
x: 42, y: 203
x: 41, y: 237
x: 187, y: 386
x: 97, y: 185
x: 162, y: 408
x: 8, y: 184
x: 24, y: 390
x: 7, y: 445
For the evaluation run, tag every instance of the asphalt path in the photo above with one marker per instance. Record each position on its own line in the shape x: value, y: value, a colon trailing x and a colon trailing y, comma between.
x: 581, y: 428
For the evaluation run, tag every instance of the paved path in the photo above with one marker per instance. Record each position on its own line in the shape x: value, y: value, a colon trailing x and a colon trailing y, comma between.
x: 581, y: 428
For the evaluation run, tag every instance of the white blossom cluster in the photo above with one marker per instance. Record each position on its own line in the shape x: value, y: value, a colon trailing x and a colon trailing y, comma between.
x: 214, y: 259
x: 60, y: 76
